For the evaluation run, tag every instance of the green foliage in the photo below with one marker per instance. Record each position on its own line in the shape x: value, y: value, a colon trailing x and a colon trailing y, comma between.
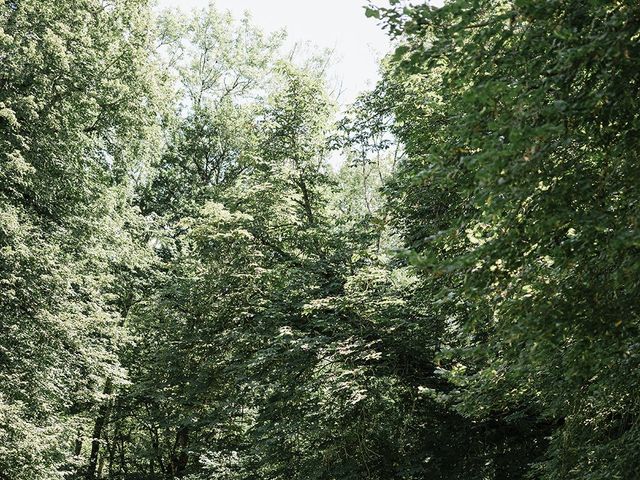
x: 188, y: 290
x: 518, y: 203
x: 75, y: 93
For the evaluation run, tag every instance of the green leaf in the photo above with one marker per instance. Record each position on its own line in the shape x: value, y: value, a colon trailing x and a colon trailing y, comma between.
x: 371, y: 12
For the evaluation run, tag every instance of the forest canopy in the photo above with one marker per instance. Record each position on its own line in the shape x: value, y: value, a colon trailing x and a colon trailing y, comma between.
x: 189, y: 289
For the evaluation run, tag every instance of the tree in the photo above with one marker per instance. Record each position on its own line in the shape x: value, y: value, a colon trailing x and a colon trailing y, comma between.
x: 517, y: 202
x: 190, y: 291
x: 75, y: 92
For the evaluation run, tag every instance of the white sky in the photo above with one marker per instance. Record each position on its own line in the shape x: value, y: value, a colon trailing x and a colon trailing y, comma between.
x: 358, y: 42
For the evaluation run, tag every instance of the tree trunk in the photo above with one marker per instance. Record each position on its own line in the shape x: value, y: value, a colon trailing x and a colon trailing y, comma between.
x: 179, y: 458
x: 306, y: 197
x: 101, y: 420
x: 78, y: 446
x: 155, y: 444
x: 123, y: 463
